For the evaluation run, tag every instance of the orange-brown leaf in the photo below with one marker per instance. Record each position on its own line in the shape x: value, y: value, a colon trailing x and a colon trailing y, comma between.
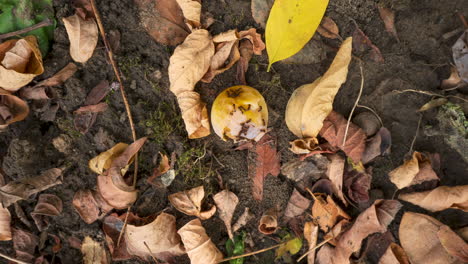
x: 269, y: 222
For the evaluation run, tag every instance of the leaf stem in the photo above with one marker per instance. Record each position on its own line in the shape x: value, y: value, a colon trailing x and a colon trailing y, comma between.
x: 314, y: 248
x: 12, y: 259
x: 355, y: 105
x: 41, y: 24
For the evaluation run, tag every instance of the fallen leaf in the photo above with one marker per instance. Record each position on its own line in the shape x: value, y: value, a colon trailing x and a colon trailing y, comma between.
x: 378, y: 145
x: 375, y: 247
x: 306, y: 172
x: 164, y: 174
x: 112, y: 226
x: 310, y: 104
x: 245, y: 217
x: 21, y: 189
x: 22, y: 215
x: 269, y: 221
x: 453, y: 244
x: 460, y: 55
x: 388, y: 17
x: 361, y: 42
x: 47, y: 205
x: 235, y: 247
x: 83, y: 8
x: 335, y: 173
x: 297, y: 205
x: 93, y: 252
x: 85, y: 116
x: 328, y: 28
x: 163, y: 20
x: 103, y: 161
x: 374, y: 219
x: 5, y: 221
x: 358, y: 184
x: 311, y: 235
x: 416, y: 170
x: 60, y: 77
x: 394, y: 255
x: 453, y: 80
x: 226, y: 203
x: 188, y: 64
x: 292, y: 246
x: 20, y: 62
x: 24, y: 244
x: 246, y: 53
x: 159, y: 235
x: 12, y: 109
x: 334, y: 233
x: 260, y: 10
x: 334, y: 129
x: 83, y: 36
x: 189, y: 202
x: 420, y: 236
x: 198, y: 245
x: 98, y: 93
x: 97, y: 108
x: 90, y: 205
x: 326, y: 212
x: 191, y: 10
x: 433, y: 104
x: 440, y: 198
x: 290, y: 26
x: 263, y: 159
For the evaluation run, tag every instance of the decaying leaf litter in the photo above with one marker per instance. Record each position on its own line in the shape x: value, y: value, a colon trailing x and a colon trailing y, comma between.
x: 207, y: 159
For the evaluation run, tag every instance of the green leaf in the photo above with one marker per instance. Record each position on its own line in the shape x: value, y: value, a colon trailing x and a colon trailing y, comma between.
x: 19, y: 14
x: 292, y: 246
x: 236, y: 248
x: 291, y: 24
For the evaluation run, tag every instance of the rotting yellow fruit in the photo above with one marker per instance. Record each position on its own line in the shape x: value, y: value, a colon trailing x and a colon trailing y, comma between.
x: 240, y: 113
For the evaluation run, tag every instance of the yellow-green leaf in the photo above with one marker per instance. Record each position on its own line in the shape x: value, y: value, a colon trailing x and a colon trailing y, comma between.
x: 292, y: 246
x: 291, y: 24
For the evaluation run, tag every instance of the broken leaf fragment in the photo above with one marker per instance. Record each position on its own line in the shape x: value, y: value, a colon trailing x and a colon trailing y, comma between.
x: 311, y: 231
x: 83, y: 36
x: 94, y: 252
x: 5, y: 220
x: 326, y: 212
x: 416, y: 170
x: 328, y: 28
x: 20, y: 62
x: 190, y: 202
x: 292, y: 246
x: 90, y: 205
x: 12, y: 109
x: 48, y: 205
x: 440, y: 198
x: 103, y: 161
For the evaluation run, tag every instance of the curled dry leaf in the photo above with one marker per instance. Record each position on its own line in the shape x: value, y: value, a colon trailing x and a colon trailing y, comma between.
x: 246, y: 53
x: 269, y: 222
x: 326, y: 212
x: 20, y: 62
x: 311, y: 231
x: 226, y: 203
x: 24, y: 244
x: 22, y: 189
x: 297, y: 205
x: 336, y: 231
x: 334, y: 129
x: 198, y: 245
x: 460, y: 55
x: 426, y: 240
x: 433, y: 104
x: 164, y: 174
x: 440, y: 198
x: 188, y: 64
x: 163, y: 20
x: 358, y: 184
x: 94, y: 252
x: 103, y: 161
x: 83, y: 8
x: 189, y: 202
x: 47, y: 205
x: 452, y: 81
x: 191, y: 10
x: 245, y: 217
x: 335, y: 173
x: 361, y: 42
x: 85, y: 116
x: 90, y: 205
x: 83, y: 36
x: 394, y: 255
x: 416, y: 170
x: 388, y: 17
x: 377, y: 145
x: 310, y: 104
x: 5, y: 220
x: 60, y: 77
x: 328, y: 28
x: 12, y: 109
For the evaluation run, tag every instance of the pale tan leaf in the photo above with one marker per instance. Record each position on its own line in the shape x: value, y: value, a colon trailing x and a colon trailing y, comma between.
x: 189, y: 202
x: 191, y: 10
x: 226, y: 203
x: 103, y: 161
x: 198, y: 245
x: 94, y: 252
x: 327, y: 213
x: 433, y: 104
x: 440, y: 198
x: 394, y: 255
x: 304, y: 145
x: 245, y: 217
x: 5, y: 221
x: 414, y: 171
x: 83, y: 36
x: 311, y: 231
x: 21, y: 61
x: 60, y: 77
x: 12, y: 109
x: 190, y: 61
x: 269, y: 222
x: 453, y: 244
x: 297, y: 205
x: 328, y: 28
x: 310, y: 104
x: 48, y: 205
x: 335, y: 174
x: 453, y: 80
x: 336, y: 231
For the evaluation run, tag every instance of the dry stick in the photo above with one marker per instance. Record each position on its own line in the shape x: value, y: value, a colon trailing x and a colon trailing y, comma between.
x: 429, y: 93
x: 355, y: 104
x: 416, y: 134
x: 124, y: 98
x: 315, y: 248
x: 151, y: 253
x: 253, y: 253
x: 12, y: 259
x: 44, y: 23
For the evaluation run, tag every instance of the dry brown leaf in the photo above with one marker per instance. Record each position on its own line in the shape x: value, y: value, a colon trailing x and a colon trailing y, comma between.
x: 374, y: 219
x: 47, y: 205
x: 90, y: 205
x: 191, y: 10
x: 328, y: 28
x: 103, y: 161
x: 336, y: 231
x: 388, y: 17
x: 22, y: 189
x: 361, y: 42
x: 60, y: 77
x: 5, y: 221
x: 20, y: 62
x: 440, y: 198
x: 85, y: 116
x: 416, y: 170
x: 159, y: 235
x: 453, y: 244
x: 163, y: 20
x: 226, y: 203
x: 12, y: 109
x: 378, y: 145
x: 433, y: 104
x: 310, y: 104
x: 269, y: 221
x: 189, y: 202
x: 419, y: 237
x: 297, y: 205
x: 304, y: 145
x: 394, y: 255
x: 245, y: 217
x: 335, y: 173
x: 83, y: 36
x: 97, y: 108
x: 94, y: 252
x: 198, y: 245
x: 306, y: 172
x: 263, y: 159
x: 112, y: 226
x: 188, y: 64
x: 327, y: 213
x: 311, y: 231
x: 24, y: 244
x: 452, y: 81
x: 83, y: 8
x: 358, y: 183
x: 246, y: 53
x: 164, y: 174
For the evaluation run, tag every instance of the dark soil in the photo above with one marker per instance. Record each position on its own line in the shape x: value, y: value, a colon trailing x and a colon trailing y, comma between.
x: 419, y: 61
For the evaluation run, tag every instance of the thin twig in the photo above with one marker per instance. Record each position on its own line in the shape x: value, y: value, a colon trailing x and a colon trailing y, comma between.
x: 44, y: 23
x: 373, y: 111
x: 462, y: 18
x: 416, y: 134
x: 253, y: 253
x: 151, y: 253
x: 12, y: 259
x: 355, y: 104
x: 124, y: 226
x: 314, y: 248
x: 429, y: 93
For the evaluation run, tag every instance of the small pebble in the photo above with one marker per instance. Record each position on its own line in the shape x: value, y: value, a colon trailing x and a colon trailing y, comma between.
x: 133, y: 85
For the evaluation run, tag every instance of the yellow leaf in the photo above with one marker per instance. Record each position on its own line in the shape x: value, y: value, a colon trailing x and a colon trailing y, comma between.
x: 292, y: 246
x: 83, y: 35
x: 310, y: 104
x: 104, y: 160
x: 291, y: 24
